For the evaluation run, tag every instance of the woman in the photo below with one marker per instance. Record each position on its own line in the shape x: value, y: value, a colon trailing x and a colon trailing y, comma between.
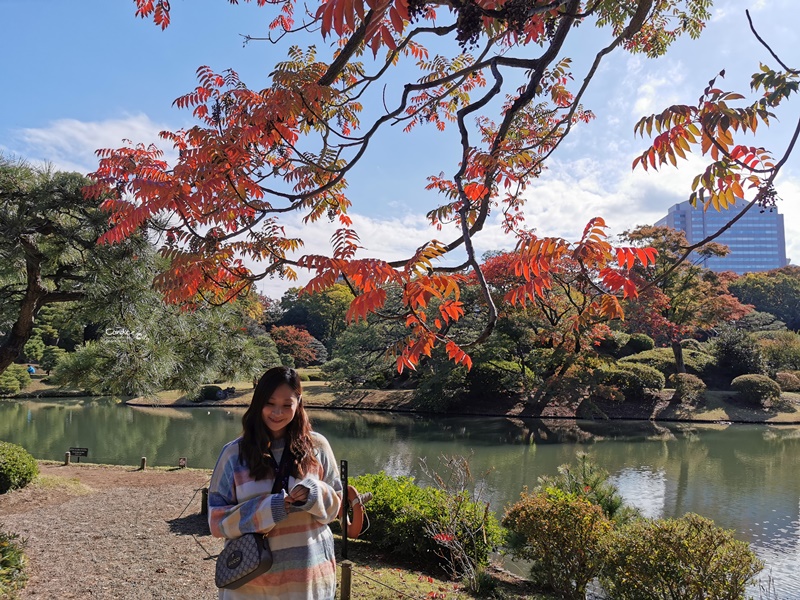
x: 240, y: 498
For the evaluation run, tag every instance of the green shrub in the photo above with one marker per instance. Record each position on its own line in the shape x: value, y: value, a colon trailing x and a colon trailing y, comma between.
x: 613, y: 343
x: 20, y: 373
x: 789, y: 382
x: 400, y: 510
x: 648, y: 377
x: 316, y: 377
x: 442, y: 383
x: 781, y: 349
x: 17, y: 467
x: 758, y: 390
x: 287, y: 360
x: 562, y: 535
x: 33, y: 349
x: 696, y: 362
x: 738, y: 353
x: 619, y: 380
x: 638, y: 342
x: 8, y: 383
x: 691, y: 344
x: 653, y: 559
x: 50, y: 357
x: 590, y: 481
x: 689, y: 389
x: 303, y: 377
x: 496, y: 377
x: 631, y: 379
x: 332, y: 368
x: 12, y: 565
x: 208, y: 392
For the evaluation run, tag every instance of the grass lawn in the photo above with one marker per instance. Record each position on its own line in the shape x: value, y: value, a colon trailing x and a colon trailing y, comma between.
x: 382, y: 578
x: 721, y: 405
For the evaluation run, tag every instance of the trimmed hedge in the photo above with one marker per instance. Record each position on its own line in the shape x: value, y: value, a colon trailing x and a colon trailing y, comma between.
x: 639, y: 342
x: 692, y: 344
x: 652, y: 559
x: 613, y: 343
x: 689, y: 389
x: 757, y: 389
x: 696, y: 362
x: 17, y: 467
x: 789, y: 382
x: 631, y: 379
x: 208, y: 392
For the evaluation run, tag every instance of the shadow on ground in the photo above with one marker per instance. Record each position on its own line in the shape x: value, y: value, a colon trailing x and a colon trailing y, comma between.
x: 196, y: 524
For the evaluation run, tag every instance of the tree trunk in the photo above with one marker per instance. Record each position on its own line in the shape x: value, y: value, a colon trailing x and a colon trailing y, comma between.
x: 677, y: 350
x: 21, y: 331
x: 36, y: 296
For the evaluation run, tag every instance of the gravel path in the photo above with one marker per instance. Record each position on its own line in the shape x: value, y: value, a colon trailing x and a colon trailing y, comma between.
x: 113, y: 532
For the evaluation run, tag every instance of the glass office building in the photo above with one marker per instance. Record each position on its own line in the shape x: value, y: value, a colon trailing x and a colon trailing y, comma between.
x: 756, y: 241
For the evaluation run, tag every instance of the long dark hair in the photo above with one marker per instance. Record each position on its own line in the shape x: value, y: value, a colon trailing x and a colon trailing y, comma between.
x: 254, y: 447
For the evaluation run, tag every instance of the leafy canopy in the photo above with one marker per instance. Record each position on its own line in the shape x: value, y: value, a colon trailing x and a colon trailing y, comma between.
x: 259, y: 154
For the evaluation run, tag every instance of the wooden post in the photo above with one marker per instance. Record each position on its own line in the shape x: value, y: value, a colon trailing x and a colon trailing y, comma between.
x: 144, y: 464
x: 347, y: 570
x: 204, y: 502
x: 67, y: 456
x: 345, y: 507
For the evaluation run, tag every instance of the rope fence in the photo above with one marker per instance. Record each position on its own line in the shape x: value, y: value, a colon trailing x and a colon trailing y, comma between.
x: 75, y: 456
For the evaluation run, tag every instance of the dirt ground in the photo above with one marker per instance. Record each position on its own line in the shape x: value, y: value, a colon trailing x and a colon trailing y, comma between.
x: 113, y: 532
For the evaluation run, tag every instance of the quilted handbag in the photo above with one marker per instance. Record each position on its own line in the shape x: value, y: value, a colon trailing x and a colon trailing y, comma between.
x: 242, y: 560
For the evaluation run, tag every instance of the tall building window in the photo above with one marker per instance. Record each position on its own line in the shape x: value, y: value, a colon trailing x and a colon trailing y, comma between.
x: 756, y: 241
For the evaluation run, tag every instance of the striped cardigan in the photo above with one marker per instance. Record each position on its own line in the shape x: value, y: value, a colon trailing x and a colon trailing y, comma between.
x: 304, y: 566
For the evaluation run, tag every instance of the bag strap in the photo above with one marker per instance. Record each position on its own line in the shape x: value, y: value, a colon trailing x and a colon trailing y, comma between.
x: 282, y: 470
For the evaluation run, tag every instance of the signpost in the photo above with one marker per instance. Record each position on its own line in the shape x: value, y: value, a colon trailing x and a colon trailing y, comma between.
x: 182, y: 462
x: 79, y: 452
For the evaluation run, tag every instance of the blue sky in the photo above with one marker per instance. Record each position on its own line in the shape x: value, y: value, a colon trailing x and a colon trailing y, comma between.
x: 83, y: 75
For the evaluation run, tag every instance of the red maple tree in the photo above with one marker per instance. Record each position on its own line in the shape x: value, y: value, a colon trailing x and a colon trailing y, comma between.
x: 257, y: 154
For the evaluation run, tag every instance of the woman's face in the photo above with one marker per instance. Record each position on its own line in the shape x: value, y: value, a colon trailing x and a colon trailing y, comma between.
x: 280, y: 409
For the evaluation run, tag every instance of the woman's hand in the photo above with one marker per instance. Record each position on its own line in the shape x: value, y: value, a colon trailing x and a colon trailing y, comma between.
x: 298, y: 495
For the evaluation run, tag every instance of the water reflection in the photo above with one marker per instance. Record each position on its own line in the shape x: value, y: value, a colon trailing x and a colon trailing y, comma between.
x: 746, y: 478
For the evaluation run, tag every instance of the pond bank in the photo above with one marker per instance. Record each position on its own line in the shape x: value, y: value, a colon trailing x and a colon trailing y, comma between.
x: 719, y: 406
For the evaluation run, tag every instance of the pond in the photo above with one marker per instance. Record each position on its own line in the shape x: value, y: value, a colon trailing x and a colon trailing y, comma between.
x: 744, y: 477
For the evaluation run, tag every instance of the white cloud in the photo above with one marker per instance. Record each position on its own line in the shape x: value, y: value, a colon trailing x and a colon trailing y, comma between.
x: 659, y: 89
x: 70, y: 144
x: 560, y: 203
x: 387, y: 239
